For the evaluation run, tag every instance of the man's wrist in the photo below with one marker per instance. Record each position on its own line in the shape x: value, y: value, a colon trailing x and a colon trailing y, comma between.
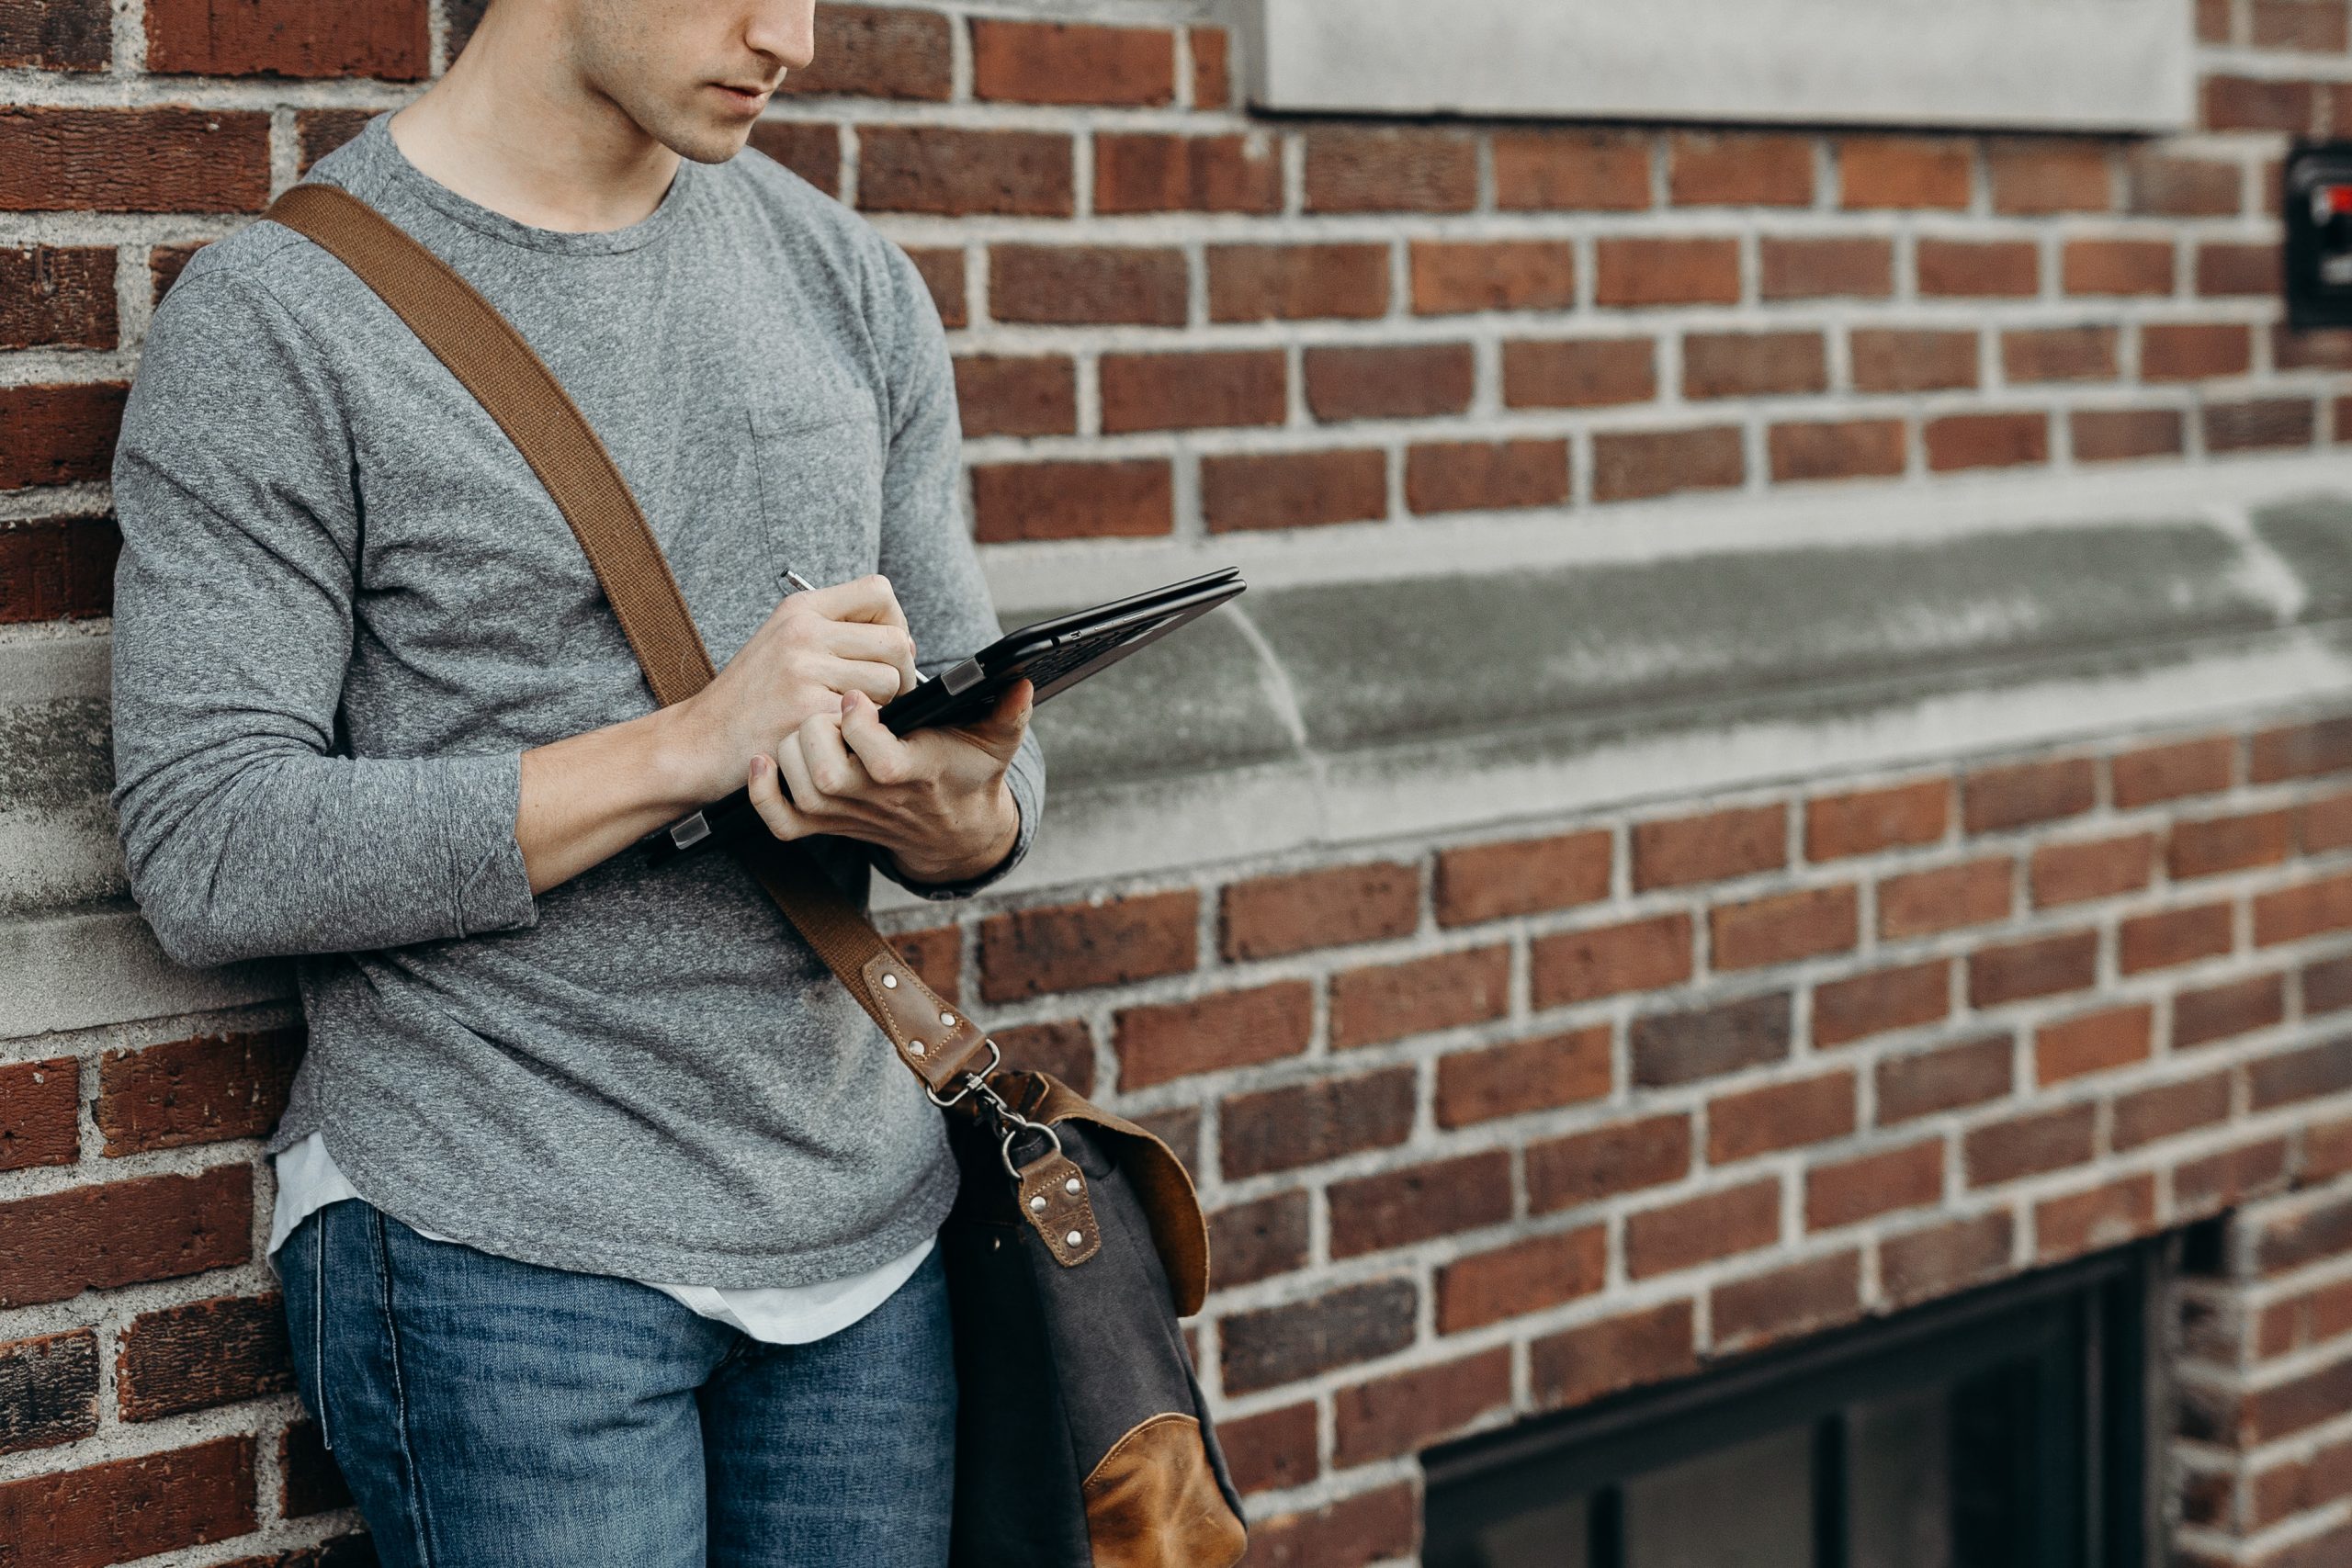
x: 678, y: 757
x: 1004, y: 834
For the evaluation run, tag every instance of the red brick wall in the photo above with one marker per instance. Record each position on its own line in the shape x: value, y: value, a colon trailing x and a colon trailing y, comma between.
x: 1489, y: 1125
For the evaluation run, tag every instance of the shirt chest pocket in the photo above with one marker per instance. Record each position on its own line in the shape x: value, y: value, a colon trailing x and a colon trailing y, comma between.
x: 820, y: 471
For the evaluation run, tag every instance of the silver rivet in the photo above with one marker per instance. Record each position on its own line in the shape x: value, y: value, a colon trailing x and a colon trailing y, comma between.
x: 916, y: 1046
x: 890, y: 982
x: 949, y: 1019
x: 1073, y: 1239
x: 1071, y: 1185
x: 1037, y: 1205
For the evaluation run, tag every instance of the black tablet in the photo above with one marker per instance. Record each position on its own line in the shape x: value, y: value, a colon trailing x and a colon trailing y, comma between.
x: 1052, y: 654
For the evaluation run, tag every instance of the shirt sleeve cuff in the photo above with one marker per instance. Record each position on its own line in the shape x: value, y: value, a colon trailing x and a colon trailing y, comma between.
x: 492, y: 890
x: 1023, y: 790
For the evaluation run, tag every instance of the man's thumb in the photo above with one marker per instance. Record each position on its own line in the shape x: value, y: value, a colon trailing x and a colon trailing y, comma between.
x: 1001, y: 728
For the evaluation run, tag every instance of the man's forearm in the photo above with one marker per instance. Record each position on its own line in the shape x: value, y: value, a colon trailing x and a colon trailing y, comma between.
x: 589, y: 797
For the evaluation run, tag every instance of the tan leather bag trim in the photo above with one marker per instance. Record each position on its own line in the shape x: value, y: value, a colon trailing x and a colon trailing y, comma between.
x: 1153, y: 1502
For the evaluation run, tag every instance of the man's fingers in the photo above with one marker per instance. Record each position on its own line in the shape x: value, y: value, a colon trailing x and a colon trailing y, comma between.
x: 887, y: 758
x: 868, y: 598
x: 999, y: 731
x: 831, y: 769
x: 766, y: 790
x: 880, y: 682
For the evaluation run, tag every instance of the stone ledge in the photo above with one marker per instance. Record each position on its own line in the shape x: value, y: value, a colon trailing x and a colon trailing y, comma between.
x: 1322, y: 714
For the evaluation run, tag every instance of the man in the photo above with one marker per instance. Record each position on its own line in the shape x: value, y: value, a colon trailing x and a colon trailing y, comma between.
x: 604, y: 1213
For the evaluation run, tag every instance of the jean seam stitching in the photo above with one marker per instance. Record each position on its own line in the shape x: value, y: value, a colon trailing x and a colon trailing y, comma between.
x: 319, y: 1328
x: 419, y: 1526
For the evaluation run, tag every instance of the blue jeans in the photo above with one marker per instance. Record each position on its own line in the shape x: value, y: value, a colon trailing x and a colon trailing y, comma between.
x: 492, y: 1414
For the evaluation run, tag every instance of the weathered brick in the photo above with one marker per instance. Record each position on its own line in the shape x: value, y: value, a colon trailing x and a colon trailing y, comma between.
x: 2229, y: 843
x: 1780, y: 1116
x: 1064, y: 1048
x: 194, y: 1092
x: 1906, y: 171
x: 1716, y: 845
x: 129, y: 1508
x: 1453, y: 276
x: 1996, y: 799
x: 2292, y: 1076
x: 1283, y: 1344
x: 1922, y: 903
x: 1625, y: 1156
x: 1576, y: 373
x: 2039, y: 967
x: 2106, y: 1216
x: 1753, y: 364
x: 2026, y: 1145
x: 2002, y: 440
x: 942, y: 273
x: 1212, y: 67
x: 1369, y: 1527
x: 1850, y: 1010
x: 2059, y: 354
x: 201, y: 1355
x: 1739, y: 169
x: 1666, y: 271
x: 1001, y: 394
x: 879, y: 51
x: 1846, y: 1191
x: 2313, y: 26
x: 1465, y: 476
x: 1390, y: 169
x: 1640, y: 465
x: 1522, y: 877
x: 2100, y: 868
x: 1682, y: 1047
x: 168, y: 158
x: 1945, y: 1079
x: 1520, y: 1076
x: 811, y: 150
x: 1977, y: 270
x: 2327, y: 986
x: 1602, y: 961
x: 1583, y: 1364
x: 1294, y: 490
x: 1413, y: 1203
x: 57, y: 297
x: 1071, y: 63
x: 1087, y: 285
x: 57, y: 435
x: 1529, y: 1275
x: 2165, y: 1110
x: 1253, y: 1241
x: 1389, y: 1001
x: 1801, y: 1298
x: 2158, y: 774
x: 1267, y: 917
x: 1193, y: 392
x: 1571, y: 170
x: 1156, y: 172
x: 1130, y: 497
x: 1836, y: 449
x: 2324, y: 825
x: 1941, y: 1259
x: 2300, y: 751
x: 2047, y: 175
x: 1227, y: 1029
x: 2114, y: 435
x: 1848, y: 268
x: 2259, y: 423
x: 2191, y: 351
x: 2227, y: 270
x: 955, y: 171
x: 49, y: 1390
x: 1702, y: 1229
x: 57, y: 568
x: 2174, y: 936
x: 384, y: 38
x: 39, y: 1113
x: 1783, y: 928
x: 1067, y: 947
x: 2117, y: 267
x: 1419, y: 380
x: 1281, y: 1129
x: 1912, y: 359
x: 2219, y: 1181
x: 1866, y: 822
x: 1284, y: 283
x: 2094, y: 1042
x: 57, y: 35
x: 1270, y: 1450
x: 2248, y: 103
x: 123, y: 1233
x: 1396, y: 1414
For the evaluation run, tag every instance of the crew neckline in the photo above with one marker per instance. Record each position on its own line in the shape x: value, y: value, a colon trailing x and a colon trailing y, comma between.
x: 374, y: 138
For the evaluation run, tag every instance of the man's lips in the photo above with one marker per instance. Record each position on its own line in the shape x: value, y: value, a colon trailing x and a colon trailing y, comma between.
x: 752, y: 98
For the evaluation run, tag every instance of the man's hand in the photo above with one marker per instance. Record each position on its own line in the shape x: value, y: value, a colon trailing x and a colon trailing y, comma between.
x: 936, y: 799
x: 815, y: 647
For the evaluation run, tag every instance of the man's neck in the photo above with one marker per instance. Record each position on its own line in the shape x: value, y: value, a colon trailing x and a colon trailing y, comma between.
x: 513, y: 126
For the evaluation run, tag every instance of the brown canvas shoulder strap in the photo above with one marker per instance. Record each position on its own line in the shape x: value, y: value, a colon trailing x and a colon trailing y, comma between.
x: 492, y: 360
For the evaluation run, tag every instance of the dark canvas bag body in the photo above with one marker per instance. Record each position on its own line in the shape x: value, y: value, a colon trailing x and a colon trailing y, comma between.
x: 1076, y: 1241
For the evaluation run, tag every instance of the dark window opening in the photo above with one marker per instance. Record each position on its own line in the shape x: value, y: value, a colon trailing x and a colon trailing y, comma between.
x: 2007, y: 1428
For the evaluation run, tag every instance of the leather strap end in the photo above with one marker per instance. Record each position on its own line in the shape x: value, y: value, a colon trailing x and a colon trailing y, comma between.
x: 939, y: 1044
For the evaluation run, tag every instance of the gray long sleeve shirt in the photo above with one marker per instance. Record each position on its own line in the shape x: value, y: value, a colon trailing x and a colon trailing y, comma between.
x: 345, y: 606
